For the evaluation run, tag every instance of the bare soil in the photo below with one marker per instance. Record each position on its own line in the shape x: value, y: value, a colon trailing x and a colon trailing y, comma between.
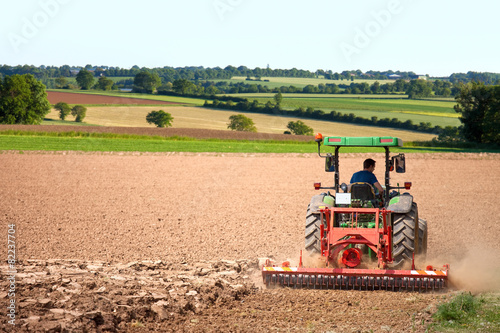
x: 173, y: 241
x: 55, y: 97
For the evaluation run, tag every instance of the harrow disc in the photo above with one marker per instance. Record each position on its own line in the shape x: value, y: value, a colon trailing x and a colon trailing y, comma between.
x: 355, y: 279
x: 342, y: 282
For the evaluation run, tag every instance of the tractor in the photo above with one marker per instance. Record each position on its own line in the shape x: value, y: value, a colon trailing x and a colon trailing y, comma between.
x: 366, y: 240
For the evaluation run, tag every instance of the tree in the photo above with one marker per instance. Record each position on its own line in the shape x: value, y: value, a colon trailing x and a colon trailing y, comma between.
x: 418, y: 89
x: 212, y: 90
x: 61, y: 82
x: 278, y: 98
x: 146, y: 82
x: 239, y: 122
x: 169, y: 85
x: 480, y: 114
x: 104, y: 83
x: 183, y: 86
x: 79, y: 111
x: 85, y: 79
x: 375, y: 88
x: 160, y: 118
x: 492, y: 118
x: 63, y: 109
x: 400, y: 85
x: 449, y: 135
x: 23, y: 100
x: 299, y: 128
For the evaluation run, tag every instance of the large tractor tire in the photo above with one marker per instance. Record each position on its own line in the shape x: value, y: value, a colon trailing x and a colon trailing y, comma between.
x: 405, y: 236
x: 422, y: 238
x: 313, y: 232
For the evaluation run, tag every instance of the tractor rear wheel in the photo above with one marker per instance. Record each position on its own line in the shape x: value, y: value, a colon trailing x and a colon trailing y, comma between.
x: 422, y: 237
x: 405, y: 239
x: 313, y: 232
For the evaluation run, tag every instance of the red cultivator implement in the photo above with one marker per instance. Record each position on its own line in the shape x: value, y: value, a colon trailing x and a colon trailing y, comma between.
x: 358, y: 279
x: 363, y: 240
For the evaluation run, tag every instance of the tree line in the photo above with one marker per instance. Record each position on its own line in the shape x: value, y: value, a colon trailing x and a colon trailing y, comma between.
x: 167, y: 74
x: 484, y: 77
x: 147, y: 82
x: 413, y: 88
x: 47, y: 74
x: 23, y: 100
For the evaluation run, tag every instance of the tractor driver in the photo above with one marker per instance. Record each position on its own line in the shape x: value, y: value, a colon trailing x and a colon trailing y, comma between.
x: 366, y: 175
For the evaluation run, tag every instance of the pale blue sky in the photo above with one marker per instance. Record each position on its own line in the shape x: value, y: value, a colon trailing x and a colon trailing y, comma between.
x: 425, y: 36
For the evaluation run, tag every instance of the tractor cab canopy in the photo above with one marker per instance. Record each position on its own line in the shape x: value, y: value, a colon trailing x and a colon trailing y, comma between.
x: 373, y: 141
x: 394, y: 163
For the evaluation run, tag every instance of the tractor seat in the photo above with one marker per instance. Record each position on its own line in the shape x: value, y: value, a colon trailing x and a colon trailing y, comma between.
x: 362, y: 191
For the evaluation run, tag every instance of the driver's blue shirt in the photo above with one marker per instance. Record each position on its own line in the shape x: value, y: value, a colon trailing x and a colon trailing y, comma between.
x: 364, y: 176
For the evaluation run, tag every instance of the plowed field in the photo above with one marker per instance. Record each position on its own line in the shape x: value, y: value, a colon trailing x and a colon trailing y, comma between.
x: 55, y: 97
x: 171, y: 242
x: 166, y: 132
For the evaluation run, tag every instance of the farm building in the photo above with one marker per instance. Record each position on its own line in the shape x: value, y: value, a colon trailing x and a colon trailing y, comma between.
x: 393, y: 76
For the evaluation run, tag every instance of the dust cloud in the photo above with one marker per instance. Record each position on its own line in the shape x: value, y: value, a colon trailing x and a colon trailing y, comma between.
x: 477, y: 271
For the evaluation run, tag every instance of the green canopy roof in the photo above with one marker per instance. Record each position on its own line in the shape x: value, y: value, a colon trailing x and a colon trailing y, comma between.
x: 373, y: 141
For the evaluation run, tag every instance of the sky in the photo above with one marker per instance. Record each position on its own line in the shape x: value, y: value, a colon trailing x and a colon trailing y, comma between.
x: 435, y: 37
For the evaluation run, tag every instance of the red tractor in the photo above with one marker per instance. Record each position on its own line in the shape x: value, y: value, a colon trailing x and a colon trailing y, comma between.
x: 365, y: 239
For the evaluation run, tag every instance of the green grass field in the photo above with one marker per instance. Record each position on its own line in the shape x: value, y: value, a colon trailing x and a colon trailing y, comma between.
x: 120, y: 78
x: 276, y: 82
x: 252, y: 96
x: 128, y: 143
x: 437, y: 112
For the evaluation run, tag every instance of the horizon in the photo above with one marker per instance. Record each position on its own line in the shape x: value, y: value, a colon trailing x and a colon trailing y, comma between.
x: 204, y: 67
x: 424, y: 37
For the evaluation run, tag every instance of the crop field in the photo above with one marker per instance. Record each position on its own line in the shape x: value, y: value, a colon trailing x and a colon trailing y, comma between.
x: 437, y: 112
x: 297, y: 81
x: 55, y: 97
x: 153, y: 98
x: 252, y: 96
x: 120, y: 78
x: 203, y: 118
x: 173, y: 241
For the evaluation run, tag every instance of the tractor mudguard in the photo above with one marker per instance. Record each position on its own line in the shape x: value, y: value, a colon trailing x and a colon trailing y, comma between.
x: 320, y: 201
x: 401, y: 204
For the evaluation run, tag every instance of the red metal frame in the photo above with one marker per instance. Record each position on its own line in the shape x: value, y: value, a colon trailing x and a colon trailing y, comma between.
x: 362, y: 279
x: 379, y: 239
x: 432, y: 274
